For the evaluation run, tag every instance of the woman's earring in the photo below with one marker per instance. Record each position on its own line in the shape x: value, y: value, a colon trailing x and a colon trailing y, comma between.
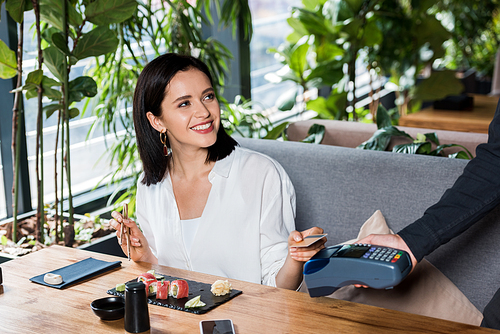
x: 167, y: 151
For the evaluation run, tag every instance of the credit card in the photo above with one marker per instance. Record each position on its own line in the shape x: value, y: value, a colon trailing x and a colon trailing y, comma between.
x: 309, y: 240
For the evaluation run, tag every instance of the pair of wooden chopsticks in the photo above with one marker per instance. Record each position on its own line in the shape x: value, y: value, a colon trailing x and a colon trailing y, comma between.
x: 125, y: 230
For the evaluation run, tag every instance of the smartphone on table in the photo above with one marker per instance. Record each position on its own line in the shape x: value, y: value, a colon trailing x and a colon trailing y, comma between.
x: 223, y: 326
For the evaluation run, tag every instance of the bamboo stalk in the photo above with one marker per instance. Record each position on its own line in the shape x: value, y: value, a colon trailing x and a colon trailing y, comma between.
x: 39, y: 132
x: 67, y: 159
x: 16, y: 133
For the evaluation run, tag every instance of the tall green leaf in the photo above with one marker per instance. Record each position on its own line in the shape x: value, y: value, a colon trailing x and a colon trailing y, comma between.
x: 331, y: 108
x: 8, y: 62
x: 17, y: 8
x: 51, y: 108
x: 383, y: 117
x: 459, y: 155
x: 51, y: 11
x: 35, y: 77
x: 298, y: 58
x: 105, y: 12
x: 316, y: 133
x: 53, y: 59
x: 60, y: 43
x: 81, y: 87
x: 276, y: 132
x: 286, y: 101
x: 96, y: 43
x: 381, y: 138
x: 413, y: 148
x: 432, y: 137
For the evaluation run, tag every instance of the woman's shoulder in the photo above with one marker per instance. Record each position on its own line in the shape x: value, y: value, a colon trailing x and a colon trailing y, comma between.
x: 250, y: 159
x: 259, y: 168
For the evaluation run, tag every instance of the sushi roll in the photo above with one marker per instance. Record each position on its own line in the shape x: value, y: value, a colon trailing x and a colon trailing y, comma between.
x: 179, y: 289
x: 162, y: 289
x: 150, y: 281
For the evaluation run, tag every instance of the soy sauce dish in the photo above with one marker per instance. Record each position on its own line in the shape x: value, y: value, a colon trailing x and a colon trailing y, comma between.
x: 110, y: 308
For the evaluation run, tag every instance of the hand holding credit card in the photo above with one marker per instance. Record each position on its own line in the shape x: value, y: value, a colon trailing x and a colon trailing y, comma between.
x: 309, y: 240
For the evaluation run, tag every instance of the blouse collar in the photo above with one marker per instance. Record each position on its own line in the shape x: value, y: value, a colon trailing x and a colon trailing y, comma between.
x: 223, y: 167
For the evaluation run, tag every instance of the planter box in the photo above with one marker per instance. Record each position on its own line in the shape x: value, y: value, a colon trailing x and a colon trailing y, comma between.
x: 351, y: 134
x: 105, y: 245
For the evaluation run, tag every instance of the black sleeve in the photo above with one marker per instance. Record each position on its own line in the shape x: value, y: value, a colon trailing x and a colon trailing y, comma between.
x: 474, y: 194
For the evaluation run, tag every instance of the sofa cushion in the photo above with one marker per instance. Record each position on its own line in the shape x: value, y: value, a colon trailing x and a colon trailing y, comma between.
x: 426, y: 291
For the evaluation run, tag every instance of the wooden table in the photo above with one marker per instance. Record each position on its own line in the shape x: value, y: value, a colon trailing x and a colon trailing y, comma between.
x: 476, y: 120
x: 27, y: 307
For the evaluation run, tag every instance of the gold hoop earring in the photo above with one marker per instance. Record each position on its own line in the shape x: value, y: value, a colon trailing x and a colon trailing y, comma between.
x: 164, y: 140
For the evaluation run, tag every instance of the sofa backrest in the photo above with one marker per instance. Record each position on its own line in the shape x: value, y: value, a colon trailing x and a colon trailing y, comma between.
x: 339, y: 188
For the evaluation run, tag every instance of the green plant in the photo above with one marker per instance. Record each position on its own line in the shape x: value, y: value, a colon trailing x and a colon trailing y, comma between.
x: 397, y: 39
x: 71, y: 31
x: 474, y: 27
x: 311, y: 58
x: 412, y: 41
x: 315, y: 134
x: 420, y: 145
x: 242, y: 118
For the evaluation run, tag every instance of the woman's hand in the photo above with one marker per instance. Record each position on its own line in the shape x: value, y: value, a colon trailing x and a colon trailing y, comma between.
x: 139, y: 247
x: 304, y: 254
x: 290, y: 275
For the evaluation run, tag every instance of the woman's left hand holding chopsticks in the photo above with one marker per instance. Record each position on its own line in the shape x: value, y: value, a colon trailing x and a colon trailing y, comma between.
x: 138, y: 244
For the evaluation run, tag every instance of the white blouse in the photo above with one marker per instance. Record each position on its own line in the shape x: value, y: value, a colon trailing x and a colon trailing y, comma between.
x: 243, y: 231
x: 189, y: 228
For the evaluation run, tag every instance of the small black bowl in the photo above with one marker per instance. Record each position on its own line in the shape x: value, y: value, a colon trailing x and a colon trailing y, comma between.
x: 110, y: 308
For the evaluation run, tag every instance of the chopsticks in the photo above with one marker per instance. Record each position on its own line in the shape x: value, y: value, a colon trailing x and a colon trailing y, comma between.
x: 125, y: 230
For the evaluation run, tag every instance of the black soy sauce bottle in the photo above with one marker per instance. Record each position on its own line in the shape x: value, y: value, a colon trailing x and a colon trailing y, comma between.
x: 136, y: 308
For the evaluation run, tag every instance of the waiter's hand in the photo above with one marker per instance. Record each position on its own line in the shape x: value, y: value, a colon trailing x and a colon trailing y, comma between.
x: 388, y: 240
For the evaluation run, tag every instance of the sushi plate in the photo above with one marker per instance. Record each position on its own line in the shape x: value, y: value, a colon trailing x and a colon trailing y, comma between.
x: 195, y: 289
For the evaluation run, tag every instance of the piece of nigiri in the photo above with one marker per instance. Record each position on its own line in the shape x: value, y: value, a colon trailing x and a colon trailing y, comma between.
x: 179, y: 289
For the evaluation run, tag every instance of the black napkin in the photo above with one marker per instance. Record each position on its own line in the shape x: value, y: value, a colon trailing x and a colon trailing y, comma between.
x: 78, y: 271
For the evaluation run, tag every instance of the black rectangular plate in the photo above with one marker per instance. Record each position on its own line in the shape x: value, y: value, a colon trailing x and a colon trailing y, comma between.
x: 195, y: 289
x: 78, y: 271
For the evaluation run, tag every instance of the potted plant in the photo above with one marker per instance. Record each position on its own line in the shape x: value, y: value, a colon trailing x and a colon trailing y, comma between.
x: 72, y: 31
x: 395, y: 39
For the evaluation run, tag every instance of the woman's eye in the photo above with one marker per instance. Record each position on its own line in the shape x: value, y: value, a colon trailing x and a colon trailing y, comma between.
x: 210, y: 96
x: 184, y: 104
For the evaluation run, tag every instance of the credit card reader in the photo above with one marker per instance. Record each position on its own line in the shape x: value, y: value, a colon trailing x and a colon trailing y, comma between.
x: 337, y: 266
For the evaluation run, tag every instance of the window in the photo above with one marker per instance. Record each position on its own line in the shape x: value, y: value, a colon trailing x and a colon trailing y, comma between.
x: 270, y: 29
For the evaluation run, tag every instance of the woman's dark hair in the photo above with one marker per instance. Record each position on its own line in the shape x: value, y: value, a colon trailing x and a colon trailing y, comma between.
x: 148, y: 96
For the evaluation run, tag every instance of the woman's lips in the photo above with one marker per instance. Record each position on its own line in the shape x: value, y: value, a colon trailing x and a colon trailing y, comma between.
x: 203, y: 128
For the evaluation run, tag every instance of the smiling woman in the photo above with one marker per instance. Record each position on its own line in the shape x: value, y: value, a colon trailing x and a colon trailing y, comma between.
x: 203, y: 203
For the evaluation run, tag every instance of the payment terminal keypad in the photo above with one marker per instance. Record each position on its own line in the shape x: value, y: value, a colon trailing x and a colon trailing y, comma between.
x: 382, y: 254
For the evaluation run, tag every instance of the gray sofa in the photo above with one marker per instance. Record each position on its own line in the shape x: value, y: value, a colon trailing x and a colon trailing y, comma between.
x: 339, y: 188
